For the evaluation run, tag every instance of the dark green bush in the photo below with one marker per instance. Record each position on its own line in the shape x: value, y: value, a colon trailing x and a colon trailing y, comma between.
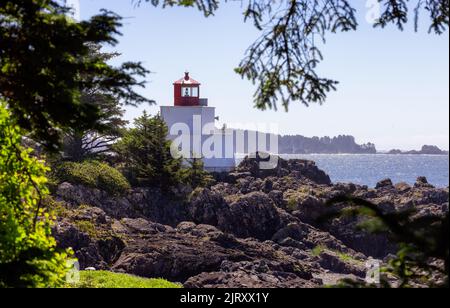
x: 93, y: 174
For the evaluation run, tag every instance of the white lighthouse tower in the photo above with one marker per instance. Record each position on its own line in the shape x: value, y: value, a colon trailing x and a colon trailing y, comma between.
x: 191, y: 124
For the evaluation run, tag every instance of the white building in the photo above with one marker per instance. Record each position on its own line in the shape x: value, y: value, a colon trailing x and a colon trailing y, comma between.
x: 191, y: 124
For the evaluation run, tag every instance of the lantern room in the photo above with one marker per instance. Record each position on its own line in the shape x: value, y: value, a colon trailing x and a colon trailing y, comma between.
x: 186, y: 91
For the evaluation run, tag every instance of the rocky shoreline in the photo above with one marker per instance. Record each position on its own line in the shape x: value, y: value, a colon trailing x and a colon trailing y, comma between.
x: 253, y: 228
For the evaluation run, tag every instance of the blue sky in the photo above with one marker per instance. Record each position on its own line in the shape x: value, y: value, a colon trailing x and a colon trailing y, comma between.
x: 393, y: 87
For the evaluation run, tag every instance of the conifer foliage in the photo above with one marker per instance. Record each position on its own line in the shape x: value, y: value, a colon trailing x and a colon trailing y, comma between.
x: 145, y: 151
x: 45, y: 63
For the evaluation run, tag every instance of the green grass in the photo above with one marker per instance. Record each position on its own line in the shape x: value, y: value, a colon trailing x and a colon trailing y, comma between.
x: 346, y: 257
x: 87, y: 227
x: 110, y: 280
x: 317, y: 251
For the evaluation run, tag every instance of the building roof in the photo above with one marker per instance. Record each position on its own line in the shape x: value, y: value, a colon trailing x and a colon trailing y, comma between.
x: 187, y: 80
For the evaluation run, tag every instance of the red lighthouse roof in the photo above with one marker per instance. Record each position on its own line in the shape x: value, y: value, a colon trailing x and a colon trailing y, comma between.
x: 187, y: 80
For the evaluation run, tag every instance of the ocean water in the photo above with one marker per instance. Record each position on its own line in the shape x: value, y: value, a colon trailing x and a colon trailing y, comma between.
x: 368, y: 169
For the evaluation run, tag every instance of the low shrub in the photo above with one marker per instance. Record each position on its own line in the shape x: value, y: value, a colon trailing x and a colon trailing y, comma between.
x: 93, y: 174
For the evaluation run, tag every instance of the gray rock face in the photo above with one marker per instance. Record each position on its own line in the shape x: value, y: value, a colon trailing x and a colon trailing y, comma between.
x: 251, y: 215
x: 208, y: 207
x: 88, y: 233
x: 140, y: 202
x: 254, y: 215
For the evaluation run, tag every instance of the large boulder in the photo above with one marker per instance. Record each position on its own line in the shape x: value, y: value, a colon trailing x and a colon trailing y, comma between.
x: 256, y: 274
x: 254, y: 215
x: 385, y: 184
x: 175, y: 257
x: 305, y: 206
x: 155, y: 250
x: 251, y: 215
x: 198, y: 250
x: 88, y: 231
x: 208, y: 207
x: 422, y: 182
x: 297, y: 168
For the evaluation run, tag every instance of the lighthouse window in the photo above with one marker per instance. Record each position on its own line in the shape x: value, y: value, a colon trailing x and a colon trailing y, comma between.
x: 185, y: 92
x: 188, y: 92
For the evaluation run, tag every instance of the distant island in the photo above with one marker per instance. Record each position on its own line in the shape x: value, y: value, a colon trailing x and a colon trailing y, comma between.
x: 426, y: 150
x: 342, y: 144
x: 298, y: 144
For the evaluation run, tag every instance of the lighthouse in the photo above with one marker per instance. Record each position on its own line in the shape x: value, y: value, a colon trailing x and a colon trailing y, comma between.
x: 191, y: 124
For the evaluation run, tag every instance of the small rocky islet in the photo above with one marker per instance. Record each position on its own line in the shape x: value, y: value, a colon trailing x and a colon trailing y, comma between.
x: 253, y: 228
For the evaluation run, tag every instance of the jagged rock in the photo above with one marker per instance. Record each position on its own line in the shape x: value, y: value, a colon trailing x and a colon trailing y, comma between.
x: 139, y: 203
x: 346, y: 188
x: 267, y: 185
x: 290, y: 242
x: 208, y: 207
x: 293, y: 231
x: 305, y: 206
x: 176, y: 257
x: 77, y: 194
x: 245, y: 279
x: 90, y: 251
x: 296, y: 167
x: 259, y: 274
x: 445, y: 208
x: 185, y: 226
x: 375, y: 245
x: 422, y: 182
x: 194, y: 250
x: 386, y: 183
x: 277, y: 198
x: 252, y: 215
x: 403, y: 187
x: 336, y: 264
x: 67, y: 235
x: 142, y: 226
